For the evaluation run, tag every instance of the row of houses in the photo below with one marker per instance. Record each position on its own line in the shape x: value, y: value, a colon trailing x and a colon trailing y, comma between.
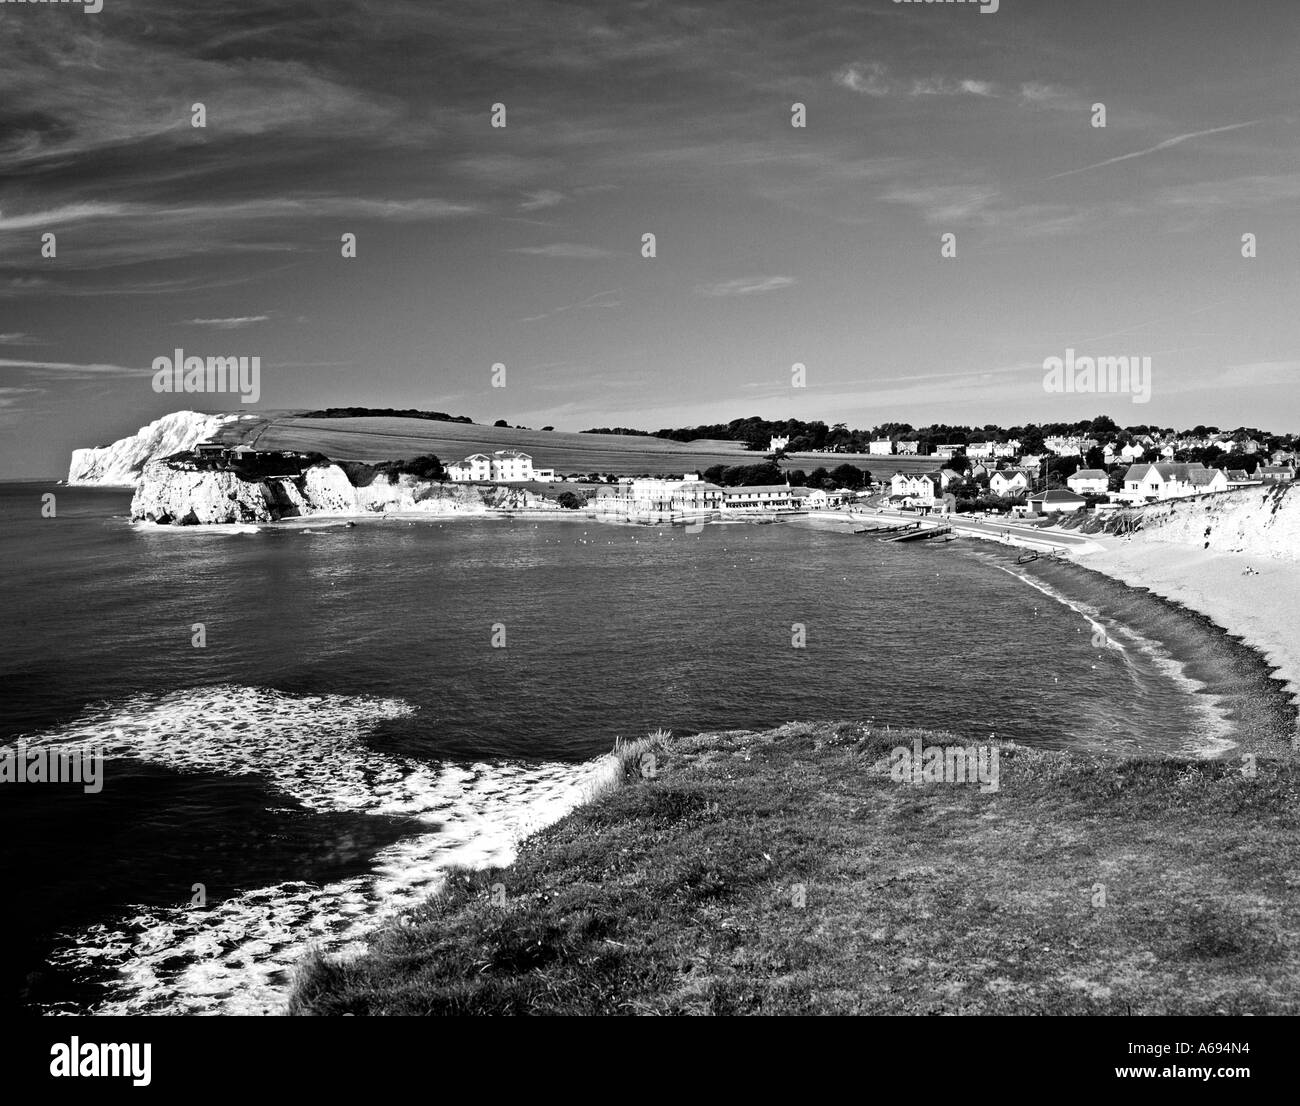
x: 1154, y: 481
x: 1002, y: 482
x: 880, y: 447
x: 927, y: 490
x: 885, y: 447
x: 1142, y: 483
x: 1161, y: 480
x: 994, y: 451
x: 1068, y: 446
x: 655, y: 495
x: 690, y: 493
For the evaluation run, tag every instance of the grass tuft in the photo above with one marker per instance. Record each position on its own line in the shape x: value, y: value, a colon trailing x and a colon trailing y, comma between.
x: 785, y: 872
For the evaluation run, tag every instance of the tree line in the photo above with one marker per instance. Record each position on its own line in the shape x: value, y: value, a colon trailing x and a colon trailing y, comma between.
x: 816, y: 435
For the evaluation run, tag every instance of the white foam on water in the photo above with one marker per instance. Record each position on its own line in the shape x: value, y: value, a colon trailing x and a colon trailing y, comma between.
x: 212, y: 529
x: 235, y: 956
x: 1211, y: 740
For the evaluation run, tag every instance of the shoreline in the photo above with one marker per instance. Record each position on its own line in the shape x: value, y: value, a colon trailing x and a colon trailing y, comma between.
x: 1159, y: 553
x: 1213, y: 585
x: 1255, y: 600
x: 1259, y: 608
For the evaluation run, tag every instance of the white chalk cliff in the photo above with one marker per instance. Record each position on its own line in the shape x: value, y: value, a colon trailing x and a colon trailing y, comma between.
x: 1258, y: 521
x: 121, y: 464
x: 179, y: 495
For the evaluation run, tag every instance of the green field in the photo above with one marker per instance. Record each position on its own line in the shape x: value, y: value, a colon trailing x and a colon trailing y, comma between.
x: 386, y: 439
x: 789, y: 872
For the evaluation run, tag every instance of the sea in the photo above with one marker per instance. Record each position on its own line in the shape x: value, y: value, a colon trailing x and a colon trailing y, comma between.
x: 304, y: 724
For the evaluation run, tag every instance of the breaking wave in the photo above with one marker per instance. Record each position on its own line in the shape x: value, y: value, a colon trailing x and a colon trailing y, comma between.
x: 235, y: 957
x: 1142, y: 656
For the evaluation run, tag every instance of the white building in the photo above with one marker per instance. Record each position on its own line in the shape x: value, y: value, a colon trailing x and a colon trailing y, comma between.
x: 1069, y: 447
x: 511, y: 466
x: 1089, y: 482
x: 881, y: 447
x: 1055, y: 501
x: 777, y: 443
x: 759, y: 496
x: 1010, y: 482
x: 477, y: 466
x: 1153, y: 483
x: 505, y: 466
x: 690, y: 493
x: 818, y: 499
x: 922, y: 489
x: 909, y: 448
x: 1111, y: 454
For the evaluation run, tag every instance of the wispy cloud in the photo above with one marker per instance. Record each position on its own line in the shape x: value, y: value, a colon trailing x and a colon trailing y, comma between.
x: 236, y: 323
x: 1168, y: 143
x: 302, y: 205
x: 867, y: 78
x: 1237, y: 192
x: 121, y: 234
x: 608, y: 298
x: 68, y: 213
x: 23, y: 286
x: 873, y: 79
x: 10, y: 396
x: 1038, y: 94
x: 565, y: 250
x: 72, y: 368
x: 543, y: 199
x: 745, y: 286
x: 20, y: 339
x: 953, y: 204
x: 944, y: 86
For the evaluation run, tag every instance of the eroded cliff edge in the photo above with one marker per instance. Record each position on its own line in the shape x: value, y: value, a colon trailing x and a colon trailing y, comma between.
x: 182, y: 491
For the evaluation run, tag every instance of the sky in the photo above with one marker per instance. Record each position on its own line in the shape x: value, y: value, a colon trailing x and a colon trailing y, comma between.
x: 522, y: 245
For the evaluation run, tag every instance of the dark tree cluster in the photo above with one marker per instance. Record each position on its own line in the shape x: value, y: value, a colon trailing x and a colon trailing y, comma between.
x: 383, y: 412
x: 424, y: 467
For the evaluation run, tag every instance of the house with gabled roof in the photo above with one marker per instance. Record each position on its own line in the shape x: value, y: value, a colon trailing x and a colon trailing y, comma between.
x: 916, y: 489
x: 504, y: 466
x: 1055, y: 501
x: 1089, y: 482
x: 1011, y: 482
x: 1157, y: 481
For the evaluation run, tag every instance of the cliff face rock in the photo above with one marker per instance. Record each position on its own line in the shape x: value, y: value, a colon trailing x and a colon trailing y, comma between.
x: 179, y: 495
x: 1260, y: 522
x: 121, y: 464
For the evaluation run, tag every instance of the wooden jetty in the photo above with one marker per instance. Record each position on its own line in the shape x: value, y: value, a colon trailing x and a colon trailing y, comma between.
x: 920, y: 534
x: 889, y: 529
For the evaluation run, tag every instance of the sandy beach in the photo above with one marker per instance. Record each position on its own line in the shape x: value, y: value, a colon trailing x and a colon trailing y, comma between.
x: 1251, y: 597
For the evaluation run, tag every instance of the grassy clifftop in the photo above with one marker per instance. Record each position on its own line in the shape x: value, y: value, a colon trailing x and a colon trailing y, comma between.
x: 377, y: 438
x: 788, y: 872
